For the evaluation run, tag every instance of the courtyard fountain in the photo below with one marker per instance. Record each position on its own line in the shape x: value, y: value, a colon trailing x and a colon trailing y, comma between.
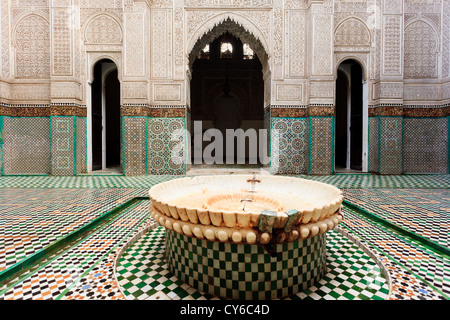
x: 246, y: 237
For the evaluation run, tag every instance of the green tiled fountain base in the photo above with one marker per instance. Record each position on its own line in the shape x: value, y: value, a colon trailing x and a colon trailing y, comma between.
x: 243, y: 271
x: 142, y: 273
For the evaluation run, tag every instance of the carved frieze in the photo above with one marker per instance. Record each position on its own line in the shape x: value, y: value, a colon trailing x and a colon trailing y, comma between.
x: 229, y: 3
x: 135, y: 90
x: 289, y: 92
x: 167, y: 92
x: 66, y: 90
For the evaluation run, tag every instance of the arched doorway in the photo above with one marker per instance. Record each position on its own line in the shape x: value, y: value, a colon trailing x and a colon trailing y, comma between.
x: 105, y: 117
x: 227, y: 92
x: 350, y: 153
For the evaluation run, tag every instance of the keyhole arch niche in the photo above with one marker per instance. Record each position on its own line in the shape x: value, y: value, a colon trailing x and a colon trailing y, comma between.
x: 242, y: 32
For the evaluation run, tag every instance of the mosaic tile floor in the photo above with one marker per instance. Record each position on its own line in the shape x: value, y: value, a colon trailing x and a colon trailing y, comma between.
x: 345, y: 181
x: 401, y: 206
x: 33, y: 219
x: 37, y: 212
x: 352, y: 274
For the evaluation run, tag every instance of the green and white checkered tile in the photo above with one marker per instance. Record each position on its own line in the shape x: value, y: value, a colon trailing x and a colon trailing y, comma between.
x: 241, y: 271
x: 142, y: 272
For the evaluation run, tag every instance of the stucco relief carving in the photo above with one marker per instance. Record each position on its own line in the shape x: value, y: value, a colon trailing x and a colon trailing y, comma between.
x: 103, y: 29
x: 62, y: 42
x: 5, y: 39
x: 30, y: 3
x: 32, y: 42
x: 94, y: 57
x: 161, y: 39
x: 5, y: 91
x: 66, y: 90
x: 392, y: 45
x: 361, y: 57
x: 234, y: 28
x: 446, y: 39
x: 392, y: 6
x: 289, y: 92
x: 421, y: 47
x: 387, y: 90
x: 352, y: 32
x: 296, y: 43
x: 422, y: 93
x: 322, y: 44
x: 167, y: 92
x: 23, y: 92
x: 135, y: 90
x: 135, y: 44
x: 160, y: 3
x: 202, y: 22
x: 414, y: 6
x: 228, y: 3
x: 371, y: 30
x: 101, y: 4
x: 277, y: 39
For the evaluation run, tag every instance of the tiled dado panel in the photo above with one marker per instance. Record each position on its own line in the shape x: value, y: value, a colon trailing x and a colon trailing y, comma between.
x: 134, y: 146
x: 188, y: 149
x: 425, y: 143
x: 2, y: 168
x: 44, y: 145
x: 373, y: 144
x: 289, y: 145
x: 63, y: 130
x: 321, y: 142
x: 167, y: 146
x: 26, y: 145
x: 81, y: 145
x: 267, y: 126
x: 390, y: 140
x: 154, y: 146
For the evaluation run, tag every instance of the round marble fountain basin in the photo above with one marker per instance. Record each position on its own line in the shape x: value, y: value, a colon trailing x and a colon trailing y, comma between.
x: 246, y: 237
x: 247, y: 209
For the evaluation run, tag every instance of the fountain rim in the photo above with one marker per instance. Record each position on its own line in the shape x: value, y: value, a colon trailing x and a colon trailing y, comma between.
x: 154, y: 189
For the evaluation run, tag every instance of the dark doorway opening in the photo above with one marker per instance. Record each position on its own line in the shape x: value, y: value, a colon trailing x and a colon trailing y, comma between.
x: 106, y: 142
x: 349, y: 117
x: 227, y: 92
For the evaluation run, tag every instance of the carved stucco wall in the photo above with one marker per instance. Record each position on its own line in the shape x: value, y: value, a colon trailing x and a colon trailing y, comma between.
x: 48, y: 49
x: 153, y: 42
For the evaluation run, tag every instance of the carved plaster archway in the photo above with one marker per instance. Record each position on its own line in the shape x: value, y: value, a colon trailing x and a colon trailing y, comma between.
x: 247, y: 32
x: 238, y: 26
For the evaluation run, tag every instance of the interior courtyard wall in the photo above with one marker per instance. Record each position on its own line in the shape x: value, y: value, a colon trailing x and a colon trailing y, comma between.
x: 407, y: 78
